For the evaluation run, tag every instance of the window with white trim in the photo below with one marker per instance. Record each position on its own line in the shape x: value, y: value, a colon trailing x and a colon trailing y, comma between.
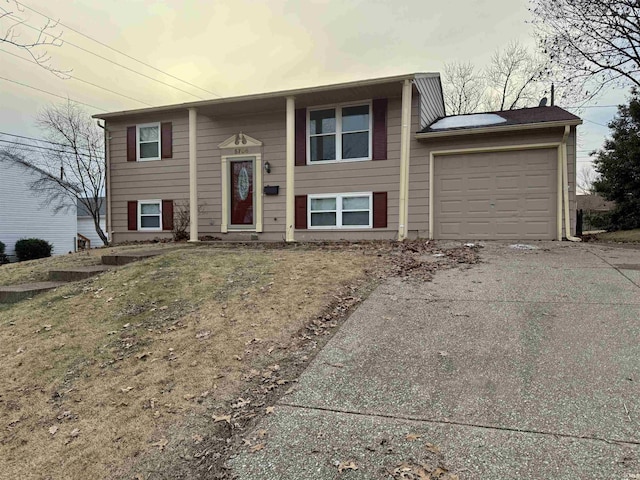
x: 149, y: 215
x: 341, y: 133
x: 148, y: 147
x: 345, y: 210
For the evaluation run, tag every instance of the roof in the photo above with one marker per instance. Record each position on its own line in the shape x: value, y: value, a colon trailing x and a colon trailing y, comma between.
x: 508, y: 120
x: 82, y: 209
x: 254, y: 98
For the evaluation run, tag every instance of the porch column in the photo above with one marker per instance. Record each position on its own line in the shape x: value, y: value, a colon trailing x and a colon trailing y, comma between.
x: 405, y: 141
x: 193, y: 176
x: 290, y: 160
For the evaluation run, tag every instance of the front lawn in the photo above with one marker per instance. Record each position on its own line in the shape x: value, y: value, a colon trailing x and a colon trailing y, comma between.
x: 621, y: 236
x: 103, y: 378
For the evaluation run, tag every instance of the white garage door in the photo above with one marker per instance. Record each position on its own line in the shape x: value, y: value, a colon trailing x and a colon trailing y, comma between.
x: 499, y: 195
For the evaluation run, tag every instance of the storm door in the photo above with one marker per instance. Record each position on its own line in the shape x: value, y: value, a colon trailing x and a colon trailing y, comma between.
x: 242, y: 203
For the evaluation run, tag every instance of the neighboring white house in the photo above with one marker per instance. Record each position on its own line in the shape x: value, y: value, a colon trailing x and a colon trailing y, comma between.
x: 87, y: 228
x: 23, y: 214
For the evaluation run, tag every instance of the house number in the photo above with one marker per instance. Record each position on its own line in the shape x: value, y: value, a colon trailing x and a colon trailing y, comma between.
x: 240, y: 151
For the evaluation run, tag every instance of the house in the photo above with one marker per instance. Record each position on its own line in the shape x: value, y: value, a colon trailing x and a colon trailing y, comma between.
x: 372, y: 159
x: 24, y: 214
x: 86, y: 226
x: 594, y: 203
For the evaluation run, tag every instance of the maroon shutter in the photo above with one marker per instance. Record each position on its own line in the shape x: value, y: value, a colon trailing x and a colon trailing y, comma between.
x: 301, y: 212
x: 167, y: 214
x: 380, y: 210
x: 167, y: 140
x: 131, y: 144
x: 379, y: 129
x: 132, y: 215
x: 301, y: 136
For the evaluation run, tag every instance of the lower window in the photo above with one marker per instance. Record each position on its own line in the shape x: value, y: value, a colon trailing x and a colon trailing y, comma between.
x: 149, y: 215
x: 344, y: 210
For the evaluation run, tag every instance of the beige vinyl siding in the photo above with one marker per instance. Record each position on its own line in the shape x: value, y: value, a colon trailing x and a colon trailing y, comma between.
x: 166, y: 179
x: 269, y: 128
x: 431, y: 101
x: 419, y: 178
x: 359, y: 176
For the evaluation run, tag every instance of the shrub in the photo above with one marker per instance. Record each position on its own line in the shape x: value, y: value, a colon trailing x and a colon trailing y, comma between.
x: 3, y: 258
x: 32, y: 248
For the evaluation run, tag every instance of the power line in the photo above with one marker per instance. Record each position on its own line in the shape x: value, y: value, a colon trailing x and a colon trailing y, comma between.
x: 49, y: 149
x: 81, y: 80
x: 39, y: 140
x: 22, y: 22
x: 593, y: 106
x: 116, y: 50
x: 595, y: 123
x: 53, y: 94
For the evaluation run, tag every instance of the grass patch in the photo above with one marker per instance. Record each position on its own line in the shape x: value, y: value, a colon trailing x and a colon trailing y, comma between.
x: 94, y: 374
x: 621, y: 236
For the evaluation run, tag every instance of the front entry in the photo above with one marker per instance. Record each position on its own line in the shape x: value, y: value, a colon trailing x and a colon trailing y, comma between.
x: 241, y: 201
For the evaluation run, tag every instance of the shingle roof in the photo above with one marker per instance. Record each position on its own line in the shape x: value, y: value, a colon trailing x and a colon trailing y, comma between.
x: 521, y: 116
x: 83, y: 212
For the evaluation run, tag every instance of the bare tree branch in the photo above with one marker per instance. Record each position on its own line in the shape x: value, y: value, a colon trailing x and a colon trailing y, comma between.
x: 513, y: 79
x: 591, y: 43
x: 463, y: 88
x: 35, y: 45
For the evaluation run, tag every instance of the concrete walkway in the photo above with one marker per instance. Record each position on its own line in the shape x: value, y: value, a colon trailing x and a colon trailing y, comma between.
x: 526, y: 366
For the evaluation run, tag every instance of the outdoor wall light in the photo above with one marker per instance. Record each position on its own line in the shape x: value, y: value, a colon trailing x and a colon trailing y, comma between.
x: 267, y: 167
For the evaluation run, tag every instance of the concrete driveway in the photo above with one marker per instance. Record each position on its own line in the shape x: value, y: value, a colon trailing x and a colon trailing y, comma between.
x: 524, y: 366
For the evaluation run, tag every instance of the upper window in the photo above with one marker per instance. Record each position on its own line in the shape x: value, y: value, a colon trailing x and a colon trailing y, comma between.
x: 149, y: 215
x: 341, y: 133
x: 149, y: 141
x: 347, y: 210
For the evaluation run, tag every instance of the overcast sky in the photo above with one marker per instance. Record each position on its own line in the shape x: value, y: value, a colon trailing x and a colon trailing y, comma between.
x: 232, y: 47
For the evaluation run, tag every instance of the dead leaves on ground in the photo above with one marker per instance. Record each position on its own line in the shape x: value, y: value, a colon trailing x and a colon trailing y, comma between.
x: 342, y: 466
x: 423, y: 471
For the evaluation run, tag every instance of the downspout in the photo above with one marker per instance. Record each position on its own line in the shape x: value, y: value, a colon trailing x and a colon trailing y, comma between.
x: 565, y: 180
x: 405, y: 138
x: 107, y: 182
x: 193, y: 176
x: 290, y: 158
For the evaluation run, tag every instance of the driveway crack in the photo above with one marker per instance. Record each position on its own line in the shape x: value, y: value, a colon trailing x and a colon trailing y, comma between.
x: 462, y: 424
x: 614, y: 267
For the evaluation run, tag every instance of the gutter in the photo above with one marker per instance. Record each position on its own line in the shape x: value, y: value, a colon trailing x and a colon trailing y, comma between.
x: 263, y: 96
x: 497, y: 129
x: 565, y: 181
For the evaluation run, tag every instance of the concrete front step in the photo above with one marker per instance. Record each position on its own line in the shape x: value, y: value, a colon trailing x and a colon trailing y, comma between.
x: 15, y: 293
x: 77, y: 273
x: 130, y: 257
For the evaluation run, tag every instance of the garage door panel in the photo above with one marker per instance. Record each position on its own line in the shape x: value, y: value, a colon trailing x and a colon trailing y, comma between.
x: 478, y: 207
x: 499, y: 195
x: 451, y: 206
x: 451, y: 185
x: 507, y: 182
x: 479, y: 184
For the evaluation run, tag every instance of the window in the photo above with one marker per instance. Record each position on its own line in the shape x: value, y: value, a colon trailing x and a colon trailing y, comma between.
x: 352, y: 210
x: 340, y: 133
x: 149, y: 141
x: 149, y: 215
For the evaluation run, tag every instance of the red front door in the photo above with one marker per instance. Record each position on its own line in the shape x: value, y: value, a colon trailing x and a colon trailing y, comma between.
x: 242, y: 192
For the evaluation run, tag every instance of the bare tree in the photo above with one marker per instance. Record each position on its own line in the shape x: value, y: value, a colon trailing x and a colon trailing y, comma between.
x: 513, y: 78
x: 464, y: 88
x: 585, y: 179
x: 71, y: 169
x: 594, y: 43
x: 12, y: 28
